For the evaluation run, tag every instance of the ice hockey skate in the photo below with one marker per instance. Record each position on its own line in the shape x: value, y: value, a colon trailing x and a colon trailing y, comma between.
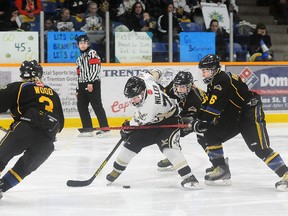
x: 191, y: 183
x: 111, y: 177
x: 210, y: 169
x: 219, y: 176
x: 102, y: 133
x: 165, y: 165
x: 282, y: 185
x: 85, y: 134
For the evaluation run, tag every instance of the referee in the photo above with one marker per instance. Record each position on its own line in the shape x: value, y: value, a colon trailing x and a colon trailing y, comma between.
x: 89, y: 87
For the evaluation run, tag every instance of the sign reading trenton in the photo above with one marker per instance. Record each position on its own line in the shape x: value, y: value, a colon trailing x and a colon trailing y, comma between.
x: 62, y: 47
x: 270, y: 82
x: 17, y: 47
x: 133, y: 47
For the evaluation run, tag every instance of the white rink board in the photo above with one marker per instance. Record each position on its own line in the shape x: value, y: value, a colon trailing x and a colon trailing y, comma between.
x: 63, y: 79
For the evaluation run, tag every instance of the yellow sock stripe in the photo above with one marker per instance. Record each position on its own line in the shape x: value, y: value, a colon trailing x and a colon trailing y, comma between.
x: 213, y: 147
x: 271, y: 157
x: 181, y: 165
x: 15, y: 175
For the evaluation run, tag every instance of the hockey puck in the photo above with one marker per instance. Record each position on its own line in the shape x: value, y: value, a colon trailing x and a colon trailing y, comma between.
x: 126, y: 186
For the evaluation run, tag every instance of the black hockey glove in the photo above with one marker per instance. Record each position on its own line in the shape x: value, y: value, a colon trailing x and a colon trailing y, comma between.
x: 125, y: 134
x: 185, y: 131
x: 199, y: 126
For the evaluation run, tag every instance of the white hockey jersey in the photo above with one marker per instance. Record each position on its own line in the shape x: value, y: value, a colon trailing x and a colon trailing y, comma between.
x: 157, y: 105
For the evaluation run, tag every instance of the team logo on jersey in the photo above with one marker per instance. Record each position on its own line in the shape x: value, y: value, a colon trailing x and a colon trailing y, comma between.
x: 218, y: 87
x: 248, y: 77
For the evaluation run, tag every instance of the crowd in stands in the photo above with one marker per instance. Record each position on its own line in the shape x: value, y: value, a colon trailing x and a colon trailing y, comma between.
x: 130, y: 15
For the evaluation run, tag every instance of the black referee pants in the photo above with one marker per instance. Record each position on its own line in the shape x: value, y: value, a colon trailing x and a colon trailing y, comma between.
x: 94, y: 98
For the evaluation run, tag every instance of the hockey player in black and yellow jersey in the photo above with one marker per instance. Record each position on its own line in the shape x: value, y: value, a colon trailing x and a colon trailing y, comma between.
x: 38, y: 117
x: 189, y: 99
x: 231, y: 108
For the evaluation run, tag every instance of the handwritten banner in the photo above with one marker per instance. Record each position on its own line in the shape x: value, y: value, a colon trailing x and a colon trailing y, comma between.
x: 17, y: 47
x: 195, y: 45
x: 218, y: 12
x: 62, y: 46
x: 133, y: 47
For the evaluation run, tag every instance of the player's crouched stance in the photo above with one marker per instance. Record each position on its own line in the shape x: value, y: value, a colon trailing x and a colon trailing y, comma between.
x: 38, y: 117
x: 154, y: 107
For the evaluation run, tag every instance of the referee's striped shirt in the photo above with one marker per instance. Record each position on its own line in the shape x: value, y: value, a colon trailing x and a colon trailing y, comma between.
x: 88, y: 66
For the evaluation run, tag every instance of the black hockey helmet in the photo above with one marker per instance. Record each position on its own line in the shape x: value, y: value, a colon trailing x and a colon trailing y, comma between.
x: 212, y: 63
x: 134, y: 87
x: 30, y: 69
x: 209, y: 61
x: 182, y: 78
x: 83, y: 38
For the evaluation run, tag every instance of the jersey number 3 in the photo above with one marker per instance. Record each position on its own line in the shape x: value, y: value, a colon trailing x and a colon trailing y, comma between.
x: 48, y: 101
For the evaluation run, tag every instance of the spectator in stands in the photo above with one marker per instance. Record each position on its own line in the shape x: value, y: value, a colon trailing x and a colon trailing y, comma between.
x: 134, y: 18
x: 93, y: 21
x: 149, y: 24
x: 181, y: 8
x: 260, y: 44
x: 77, y: 8
x: 49, y: 26
x: 4, y: 6
x: 11, y: 20
x: 28, y: 9
x: 125, y: 7
x: 279, y: 9
x: 163, y: 24
x: 220, y: 36
x: 67, y: 22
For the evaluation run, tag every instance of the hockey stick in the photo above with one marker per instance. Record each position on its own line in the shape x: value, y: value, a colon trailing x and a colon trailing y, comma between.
x: 79, y: 183
x: 135, y: 127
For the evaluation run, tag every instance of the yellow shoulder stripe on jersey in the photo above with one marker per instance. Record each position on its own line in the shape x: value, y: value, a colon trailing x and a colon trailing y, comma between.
x: 18, y: 98
x: 235, y: 104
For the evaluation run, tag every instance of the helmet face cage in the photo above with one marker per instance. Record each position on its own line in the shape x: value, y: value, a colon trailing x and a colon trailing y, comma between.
x: 30, y: 69
x: 183, y: 78
x: 135, y: 87
x: 210, y: 62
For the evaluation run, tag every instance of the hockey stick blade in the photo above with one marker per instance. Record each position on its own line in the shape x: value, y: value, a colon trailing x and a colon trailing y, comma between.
x: 79, y: 183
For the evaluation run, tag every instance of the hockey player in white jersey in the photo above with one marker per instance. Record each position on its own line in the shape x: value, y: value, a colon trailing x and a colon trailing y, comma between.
x: 154, y: 107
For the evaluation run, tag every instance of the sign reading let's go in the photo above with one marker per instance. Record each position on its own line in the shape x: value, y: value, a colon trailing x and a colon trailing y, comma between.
x: 62, y: 46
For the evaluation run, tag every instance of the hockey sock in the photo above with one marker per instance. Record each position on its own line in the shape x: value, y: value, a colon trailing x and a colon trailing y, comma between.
x: 176, y: 157
x: 10, y: 179
x: 124, y: 157
x: 216, y: 155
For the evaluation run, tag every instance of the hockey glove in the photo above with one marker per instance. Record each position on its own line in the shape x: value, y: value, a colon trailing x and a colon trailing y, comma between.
x: 125, y: 134
x: 199, y: 126
x: 185, y: 131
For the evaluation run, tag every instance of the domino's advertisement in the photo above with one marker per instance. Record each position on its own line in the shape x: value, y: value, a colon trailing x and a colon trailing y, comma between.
x: 271, y: 82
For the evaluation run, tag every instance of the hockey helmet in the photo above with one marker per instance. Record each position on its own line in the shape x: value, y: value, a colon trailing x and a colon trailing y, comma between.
x: 182, y: 78
x: 210, y: 62
x: 135, y: 87
x: 82, y: 38
x: 30, y: 69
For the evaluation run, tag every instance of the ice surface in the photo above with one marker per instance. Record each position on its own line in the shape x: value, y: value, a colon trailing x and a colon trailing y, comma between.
x: 44, y: 192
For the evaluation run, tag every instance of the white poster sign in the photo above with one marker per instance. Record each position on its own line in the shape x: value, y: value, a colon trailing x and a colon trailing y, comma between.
x: 218, y: 12
x: 17, y: 47
x: 133, y: 47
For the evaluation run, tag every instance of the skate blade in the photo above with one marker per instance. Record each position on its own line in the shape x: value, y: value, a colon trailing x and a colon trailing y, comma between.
x: 220, y: 182
x: 193, y: 187
x: 170, y: 168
